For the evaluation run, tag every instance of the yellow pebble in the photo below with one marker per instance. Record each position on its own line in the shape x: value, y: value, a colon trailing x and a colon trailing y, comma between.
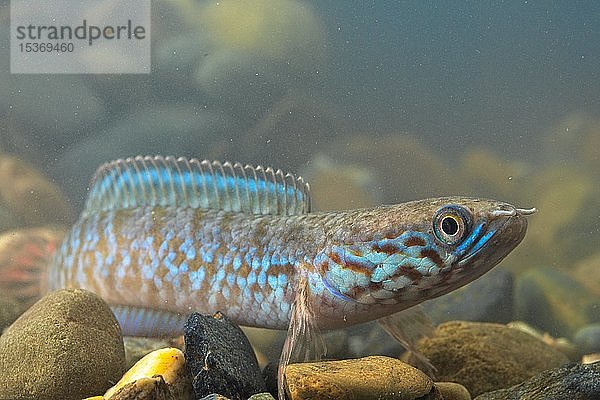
x: 169, y: 363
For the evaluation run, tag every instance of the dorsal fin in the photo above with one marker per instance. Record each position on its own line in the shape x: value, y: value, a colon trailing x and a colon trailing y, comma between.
x: 167, y: 181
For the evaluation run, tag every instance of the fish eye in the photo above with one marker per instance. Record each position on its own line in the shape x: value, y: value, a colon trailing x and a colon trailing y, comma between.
x: 450, y: 223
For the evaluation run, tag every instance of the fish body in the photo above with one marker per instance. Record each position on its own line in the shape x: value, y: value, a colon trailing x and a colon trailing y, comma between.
x: 161, y: 237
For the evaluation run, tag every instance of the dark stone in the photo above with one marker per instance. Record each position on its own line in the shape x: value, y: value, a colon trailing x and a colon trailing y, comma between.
x: 269, y: 374
x: 569, y: 382
x: 220, y: 359
x: 487, y: 299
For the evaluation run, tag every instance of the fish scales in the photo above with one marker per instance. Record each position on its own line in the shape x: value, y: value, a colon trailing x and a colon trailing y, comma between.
x: 185, y: 259
x: 141, y: 245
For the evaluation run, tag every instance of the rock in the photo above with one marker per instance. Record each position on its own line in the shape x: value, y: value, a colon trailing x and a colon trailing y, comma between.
x: 67, y: 109
x: 336, y: 186
x: 10, y: 309
x: 144, y: 389
x: 590, y: 358
x: 491, y: 176
x: 285, y: 31
x: 587, y: 339
x: 269, y: 375
x: 290, y: 131
x: 261, y: 396
x: 68, y: 345
x: 361, y: 340
x: 168, y: 364
x: 375, y: 377
x: 8, y: 220
x: 561, y: 344
x: 586, y: 273
x: 487, y: 299
x: 576, y: 138
x: 258, y: 396
x: 402, y: 164
x: 570, y: 382
x: 267, y: 343
x: 559, y: 233
x: 554, y: 302
x: 174, y: 61
x: 138, y: 347
x: 176, y: 130
x: 32, y: 197
x: 214, y: 396
x: 452, y: 391
x: 280, y: 48
x: 220, y: 358
x: 24, y: 257
x: 484, y: 357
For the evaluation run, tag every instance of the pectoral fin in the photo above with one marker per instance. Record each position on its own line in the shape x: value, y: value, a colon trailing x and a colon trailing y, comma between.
x: 304, y: 341
x: 407, y: 327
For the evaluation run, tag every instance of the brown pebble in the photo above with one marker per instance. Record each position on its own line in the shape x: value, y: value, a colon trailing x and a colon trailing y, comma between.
x: 453, y: 391
x: 485, y: 357
x: 31, y: 195
x: 375, y: 377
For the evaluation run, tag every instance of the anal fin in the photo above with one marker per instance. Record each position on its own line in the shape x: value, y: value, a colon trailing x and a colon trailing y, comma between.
x: 137, y: 321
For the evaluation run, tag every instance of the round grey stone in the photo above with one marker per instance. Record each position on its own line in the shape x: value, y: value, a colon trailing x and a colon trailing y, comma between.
x: 68, y: 345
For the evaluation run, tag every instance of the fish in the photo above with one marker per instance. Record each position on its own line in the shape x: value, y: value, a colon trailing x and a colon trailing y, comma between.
x: 161, y: 237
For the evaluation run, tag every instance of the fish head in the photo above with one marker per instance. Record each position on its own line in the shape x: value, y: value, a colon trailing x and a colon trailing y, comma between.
x: 411, y: 252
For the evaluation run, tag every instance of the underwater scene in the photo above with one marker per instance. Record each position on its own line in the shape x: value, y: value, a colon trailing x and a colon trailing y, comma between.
x: 300, y: 199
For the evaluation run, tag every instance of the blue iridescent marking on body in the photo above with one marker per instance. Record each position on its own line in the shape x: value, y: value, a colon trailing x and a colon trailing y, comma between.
x: 237, y: 262
x: 183, y: 268
x: 231, y: 279
x: 197, y: 278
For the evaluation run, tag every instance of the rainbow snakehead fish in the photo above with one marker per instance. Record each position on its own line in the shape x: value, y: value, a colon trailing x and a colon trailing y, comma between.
x: 162, y: 237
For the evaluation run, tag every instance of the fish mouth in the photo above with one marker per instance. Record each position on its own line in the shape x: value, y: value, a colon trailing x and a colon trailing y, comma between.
x: 502, y: 231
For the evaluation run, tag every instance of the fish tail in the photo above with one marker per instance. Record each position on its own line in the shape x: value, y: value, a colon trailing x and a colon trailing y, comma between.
x: 24, y: 259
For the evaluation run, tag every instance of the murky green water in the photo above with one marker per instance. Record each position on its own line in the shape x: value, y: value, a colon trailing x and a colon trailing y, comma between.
x: 373, y: 102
